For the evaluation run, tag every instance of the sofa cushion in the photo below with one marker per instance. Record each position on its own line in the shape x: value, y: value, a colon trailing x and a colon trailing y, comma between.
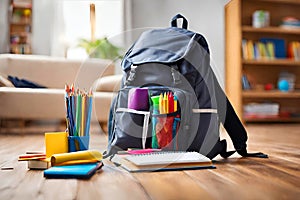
x: 109, y: 83
x: 4, y: 82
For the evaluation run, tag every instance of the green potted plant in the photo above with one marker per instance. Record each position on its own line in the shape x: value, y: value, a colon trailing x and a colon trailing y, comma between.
x: 100, y: 48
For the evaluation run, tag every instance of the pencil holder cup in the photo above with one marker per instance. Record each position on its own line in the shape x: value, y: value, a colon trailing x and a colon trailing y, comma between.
x: 78, y: 143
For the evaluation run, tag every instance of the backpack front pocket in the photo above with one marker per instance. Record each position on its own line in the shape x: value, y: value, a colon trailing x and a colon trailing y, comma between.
x: 131, y: 128
x: 141, y: 122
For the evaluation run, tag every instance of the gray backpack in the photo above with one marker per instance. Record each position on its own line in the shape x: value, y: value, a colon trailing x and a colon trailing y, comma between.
x: 170, y: 98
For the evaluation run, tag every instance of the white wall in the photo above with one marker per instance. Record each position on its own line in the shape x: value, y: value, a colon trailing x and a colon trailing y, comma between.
x: 42, y: 16
x: 204, y: 16
x: 4, y: 5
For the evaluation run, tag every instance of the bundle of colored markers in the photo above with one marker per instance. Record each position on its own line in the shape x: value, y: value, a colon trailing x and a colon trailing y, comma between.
x: 78, y: 111
x: 167, y: 103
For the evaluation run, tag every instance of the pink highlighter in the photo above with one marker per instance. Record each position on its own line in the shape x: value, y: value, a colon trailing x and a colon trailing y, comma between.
x: 142, y: 151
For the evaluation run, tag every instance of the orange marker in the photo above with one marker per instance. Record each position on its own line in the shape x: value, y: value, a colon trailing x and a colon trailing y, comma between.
x: 175, y: 103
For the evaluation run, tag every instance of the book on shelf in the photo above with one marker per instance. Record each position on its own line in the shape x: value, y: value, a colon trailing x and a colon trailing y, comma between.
x: 279, y: 49
x: 265, y: 48
x: 163, y: 161
x: 245, y: 83
x: 261, y: 110
x: 290, y: 23
x: 294, y: 50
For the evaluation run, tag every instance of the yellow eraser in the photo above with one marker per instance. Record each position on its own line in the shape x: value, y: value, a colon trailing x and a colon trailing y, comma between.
x: 56, y: 142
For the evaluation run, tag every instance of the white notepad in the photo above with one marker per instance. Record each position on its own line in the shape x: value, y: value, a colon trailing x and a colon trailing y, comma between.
x: 167, y: 157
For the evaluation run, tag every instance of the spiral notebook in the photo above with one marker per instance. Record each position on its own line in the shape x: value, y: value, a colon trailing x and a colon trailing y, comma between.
x: 163, y: 161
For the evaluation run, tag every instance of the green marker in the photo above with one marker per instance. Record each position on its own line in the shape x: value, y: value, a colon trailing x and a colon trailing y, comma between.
x: 155, y: 100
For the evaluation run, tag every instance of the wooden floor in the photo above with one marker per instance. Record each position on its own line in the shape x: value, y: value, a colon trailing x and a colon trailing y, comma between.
x: 235, y: 178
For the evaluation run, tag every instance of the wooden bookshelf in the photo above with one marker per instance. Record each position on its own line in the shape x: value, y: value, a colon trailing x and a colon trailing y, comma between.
x: 270, y: 94
x: 283, y: 1
x: 273, y: 62
x: 275, y: 30
x: 20, y: 26
x: 238, y: 26
x: 274, y: 119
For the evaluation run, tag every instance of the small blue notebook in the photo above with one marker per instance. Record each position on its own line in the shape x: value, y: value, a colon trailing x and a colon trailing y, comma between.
x: 80, y: 171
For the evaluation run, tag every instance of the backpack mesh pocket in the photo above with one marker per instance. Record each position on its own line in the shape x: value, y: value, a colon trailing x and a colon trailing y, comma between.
x: 164, y: 130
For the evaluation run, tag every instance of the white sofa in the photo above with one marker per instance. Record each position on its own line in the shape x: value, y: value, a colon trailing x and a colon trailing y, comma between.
x: 54, y: 73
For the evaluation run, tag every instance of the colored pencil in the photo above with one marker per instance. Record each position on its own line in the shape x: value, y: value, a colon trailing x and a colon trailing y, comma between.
x: 83, y: 115
x: 78, y: 111
x: 90, y: 106
x: 78, y: 114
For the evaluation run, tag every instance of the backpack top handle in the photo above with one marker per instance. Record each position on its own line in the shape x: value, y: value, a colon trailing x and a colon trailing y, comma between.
x: 174, y: 21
